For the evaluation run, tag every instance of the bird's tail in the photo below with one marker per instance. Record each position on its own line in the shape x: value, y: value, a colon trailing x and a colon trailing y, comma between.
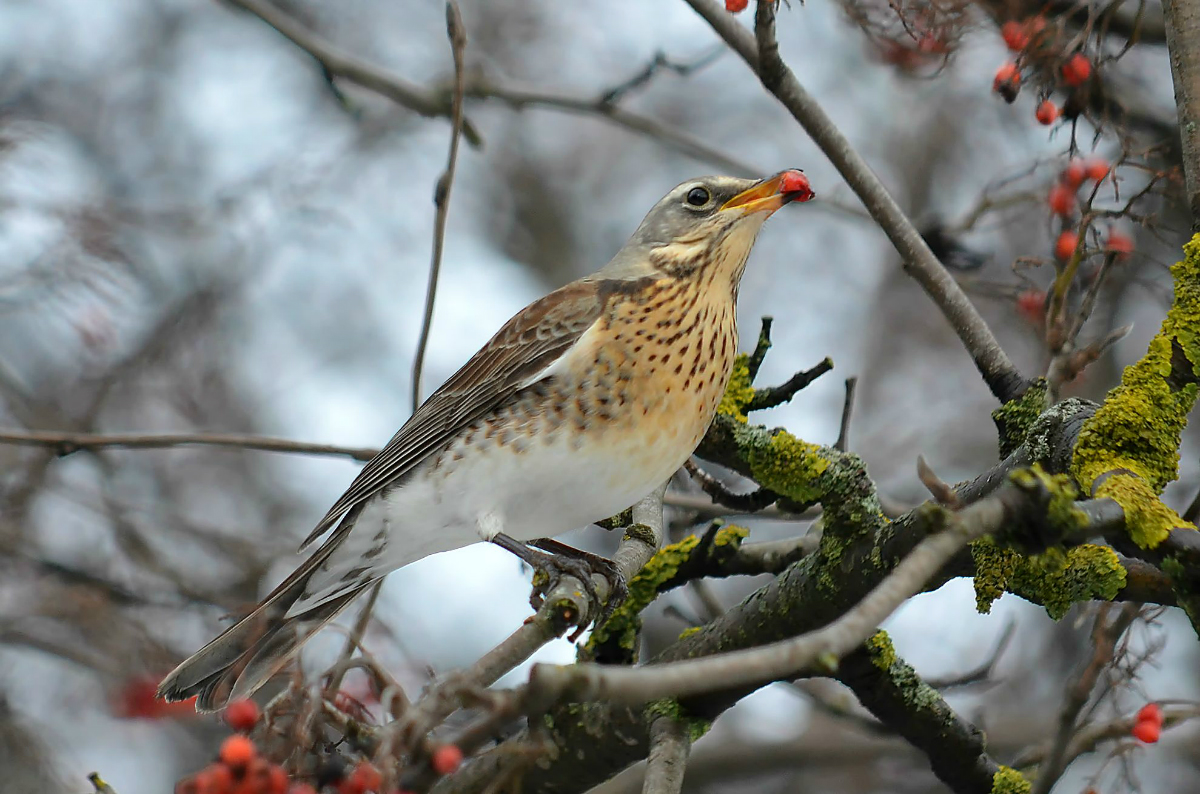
x: 245, y: 656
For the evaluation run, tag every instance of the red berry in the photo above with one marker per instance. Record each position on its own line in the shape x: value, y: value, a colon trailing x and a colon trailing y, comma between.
x: 1066, y: 244
x: 1016, y: 35
x: 1076, y: 70
x: 1122, y: 245
x: 1062, y: 200
x: 237, y: 752
x: 446, y: 759
x: 1074, y: 174
x: 1007, y: 81
x: 241, y: 715
x: 1151, y: 712
x: 1097, y: 168
x: 301, y: 788
x: 1032, y: 305
x: 1047, y: 112
x: 734, y: 6
x: 214, y: 779
x: 277, y: 780
x: 796, y: 182
x: 1147, y: 731
x: 365, y: 777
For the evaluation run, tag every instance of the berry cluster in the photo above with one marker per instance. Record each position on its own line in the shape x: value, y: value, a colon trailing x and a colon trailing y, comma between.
x: 1148, y: 724
x: 240, y: 769
x: 1033, y: 40
x: 1064, y: 201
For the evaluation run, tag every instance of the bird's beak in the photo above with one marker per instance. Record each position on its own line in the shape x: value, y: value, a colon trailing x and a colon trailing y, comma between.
x: 772, y: 193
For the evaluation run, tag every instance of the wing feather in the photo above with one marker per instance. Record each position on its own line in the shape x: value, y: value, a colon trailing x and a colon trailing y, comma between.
x: 527, y: 345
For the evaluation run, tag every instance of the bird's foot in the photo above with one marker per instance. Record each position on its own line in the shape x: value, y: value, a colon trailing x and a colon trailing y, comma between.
x: 553, y: 560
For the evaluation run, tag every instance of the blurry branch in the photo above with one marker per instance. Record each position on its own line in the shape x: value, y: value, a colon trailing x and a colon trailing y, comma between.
x: 843, y: 439
x: 1089, y: 737
x: 1105, y: 634
x: 761, y: 53
x: 658, y: 63
x: 441, y: 195
x: 984, y: 671
x: 343, y: 65
x: 66, y: 443
x: 519, y: 98
x: 1183, y: 41
x: 436, y: 103
x: 669, y: 745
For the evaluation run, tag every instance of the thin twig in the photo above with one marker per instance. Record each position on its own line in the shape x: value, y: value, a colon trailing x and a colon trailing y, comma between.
x: 65, y: 443
x: 441, y: 194
x: 843, y: 439
x: 1104, y: 639
x: 771, y: 396
x: 354, y: 639
x: 337, y: 63
x: 744, y: 503
x: 761, y: 54
x: 983, y: 672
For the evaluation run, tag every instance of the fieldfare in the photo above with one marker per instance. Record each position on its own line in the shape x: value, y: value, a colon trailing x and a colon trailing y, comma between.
x: 578, y: 407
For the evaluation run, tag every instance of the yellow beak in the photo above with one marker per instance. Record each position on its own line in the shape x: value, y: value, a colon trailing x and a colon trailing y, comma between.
x: 772, y: 193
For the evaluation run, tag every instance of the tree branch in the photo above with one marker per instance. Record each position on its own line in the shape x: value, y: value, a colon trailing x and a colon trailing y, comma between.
x: 341, y: 64
x: 1182, y: 18
x: 65, y: 443
x: 669, y: 745
x: 441, y: 194
x: 994, y: 365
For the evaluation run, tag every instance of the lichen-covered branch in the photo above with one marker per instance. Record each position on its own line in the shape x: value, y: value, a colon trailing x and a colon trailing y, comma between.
x: 1129, y: 450
x: 891, y: 690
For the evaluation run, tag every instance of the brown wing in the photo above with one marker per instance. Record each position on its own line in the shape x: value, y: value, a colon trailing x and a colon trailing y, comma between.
x: 527, y: 344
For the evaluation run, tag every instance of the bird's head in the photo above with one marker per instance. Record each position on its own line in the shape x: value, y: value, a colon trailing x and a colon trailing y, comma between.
x: 706, y: 227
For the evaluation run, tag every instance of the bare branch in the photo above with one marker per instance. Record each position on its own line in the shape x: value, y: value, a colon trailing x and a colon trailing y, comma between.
x: 441, y: 195
x: 669, y: 745
x: 843, y: 439
x: 1105, y: 634
x: 747, y: 503
x: 994, y: 365
x: 65, y: 443
x: 1182, y: 19
x: 343, y: 65
x: 772, y: 396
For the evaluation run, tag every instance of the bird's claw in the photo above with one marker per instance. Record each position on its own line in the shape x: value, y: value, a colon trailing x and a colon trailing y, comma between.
x: 561, y: 560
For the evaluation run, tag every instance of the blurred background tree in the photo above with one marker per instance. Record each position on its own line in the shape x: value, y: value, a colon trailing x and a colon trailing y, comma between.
x: 212, y: 228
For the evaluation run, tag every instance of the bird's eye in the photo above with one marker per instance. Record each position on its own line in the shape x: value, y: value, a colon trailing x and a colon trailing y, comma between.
x: 697, y: 197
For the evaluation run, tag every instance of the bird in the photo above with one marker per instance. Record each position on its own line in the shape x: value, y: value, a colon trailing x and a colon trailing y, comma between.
x: 579, y: 406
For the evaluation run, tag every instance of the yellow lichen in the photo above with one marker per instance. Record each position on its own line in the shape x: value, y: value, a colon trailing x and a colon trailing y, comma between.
x: 1055, y: 579
x: 739, y: 392
x: 690, y: 631
x: 789, y: 466
x: 1009, y: 781
x: 883, y: 653
x: 1139, y: 426
x: 622, y: 626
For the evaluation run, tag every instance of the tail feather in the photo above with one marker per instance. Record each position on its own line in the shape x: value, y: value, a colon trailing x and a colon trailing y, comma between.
x: 245, y: 656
